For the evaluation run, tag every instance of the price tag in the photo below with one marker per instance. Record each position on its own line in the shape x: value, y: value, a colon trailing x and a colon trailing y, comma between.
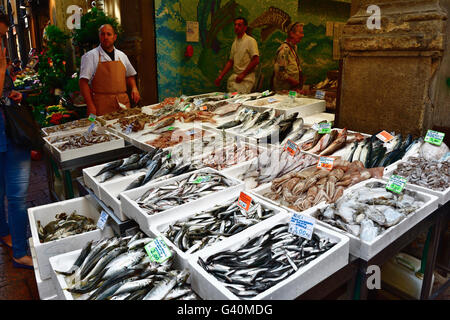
x: 129, y: 129
x: 244, y: 201
x: 158, y: 251
x: 186, y: 107
x: 302, y: 226
x: 396, y: 184
x: 170, y: 128
x: 266, y: 93
x: 234, y: 94
x: 198, y: 102
x: 326, y: 163
x: 434, y: 137
x: 91, y: 128
x: 202, y: 180
x: 291, y: 147
x: 101, y: 223
x: 272, y: 100
x: 385, y: 136
x: 226, y: 96
x: 320, y: 94
x: 293, y: 94
x: 324, y: 128
x: 204, y: 108
x: 92, y: 117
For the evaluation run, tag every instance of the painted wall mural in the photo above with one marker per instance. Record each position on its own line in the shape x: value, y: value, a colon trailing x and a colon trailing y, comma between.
x: 180, y: 75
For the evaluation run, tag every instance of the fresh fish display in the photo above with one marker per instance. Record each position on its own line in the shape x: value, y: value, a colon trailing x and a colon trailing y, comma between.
x: 301, y: 190
x: 172, y: 138
x: 426, y: 173
x: 274, y: 163
x: 264, y: 261
x: 193, y: 187
x: 83, y: 123
x: 134, y: 123
x: 81, y: 140
x: 243, y: 116
x: 225, y: 109
x: 119, y: 269
x: 65, y: 226
x: 122, y: 114
x: 370, y: 210
x: 211, y: 226
x: 228, y: 157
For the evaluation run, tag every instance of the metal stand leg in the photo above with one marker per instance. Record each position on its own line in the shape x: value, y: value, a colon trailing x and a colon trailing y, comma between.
x: 68, y: 186
x: 430, y: 254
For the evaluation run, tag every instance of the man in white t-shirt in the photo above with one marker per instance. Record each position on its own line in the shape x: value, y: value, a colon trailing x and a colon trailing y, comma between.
x: 244, y: 59
x: 105, y: 74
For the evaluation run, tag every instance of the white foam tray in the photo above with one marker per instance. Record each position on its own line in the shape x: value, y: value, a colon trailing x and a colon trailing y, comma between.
x: 304, y: 106
x: 367, y: 250
x: 132, y: 210
x: 444, y: 196
x: 86, y: 151
x: 46, y: 214
x: 159, y: 228
x: 92, y: 182
x: 63, y: 262
x: 209, y: 288
x: 316, y: 118
x: 46, y: 288
x: 110, y: 193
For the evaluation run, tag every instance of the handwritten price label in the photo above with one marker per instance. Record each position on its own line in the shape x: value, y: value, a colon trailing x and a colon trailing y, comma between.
x: 302, y: 226
x: 434, y: 137
x: 396, y: 184
x: 324, y: 128
x: 320, y: 94
x: 92, y: 117
x: 385, y: 136
x: 326, y: 163
x: 101, y: 223
x: 244, y: 201
x: 158, y: 250
x: 291, y: 147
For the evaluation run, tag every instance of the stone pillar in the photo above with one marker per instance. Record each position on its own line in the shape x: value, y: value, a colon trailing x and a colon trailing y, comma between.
x: 388, y: 74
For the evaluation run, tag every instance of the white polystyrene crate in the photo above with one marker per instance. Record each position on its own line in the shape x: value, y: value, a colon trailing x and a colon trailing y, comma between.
x: 306, y: 277
x: 87, y: 151
x: 93, y: 183
x: 63, y: 262
x: 318, y: 117
x: 132, y: 210
x: 444, y: 196
x: 367, y: 250
x: 159, y: 228
x: 46, y: 214
x: 46, y: 288
x: 110, y: 193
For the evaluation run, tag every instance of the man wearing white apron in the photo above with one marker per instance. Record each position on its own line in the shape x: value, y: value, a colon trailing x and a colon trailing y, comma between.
x: 105, y: 74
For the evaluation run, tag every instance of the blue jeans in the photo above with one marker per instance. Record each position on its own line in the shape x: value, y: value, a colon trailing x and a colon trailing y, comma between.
x: 14, y: 179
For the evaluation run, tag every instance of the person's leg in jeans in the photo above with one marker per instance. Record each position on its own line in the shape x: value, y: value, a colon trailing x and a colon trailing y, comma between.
x: 17, y: 176
x: 4, y: 228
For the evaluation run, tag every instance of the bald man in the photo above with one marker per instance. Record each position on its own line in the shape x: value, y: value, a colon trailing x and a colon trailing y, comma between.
x: 105, y: 74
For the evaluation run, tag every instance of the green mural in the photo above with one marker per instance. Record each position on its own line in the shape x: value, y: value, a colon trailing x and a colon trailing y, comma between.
x: 180, y: 75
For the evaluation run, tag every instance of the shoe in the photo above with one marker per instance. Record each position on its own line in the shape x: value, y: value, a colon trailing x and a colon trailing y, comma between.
x: 5, y: 244
x: 22, y: 266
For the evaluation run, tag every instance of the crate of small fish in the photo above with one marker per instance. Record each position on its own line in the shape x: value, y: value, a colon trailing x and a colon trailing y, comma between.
x: 268, y: 263
x: 119, y: 269
x: 62, y: 227
x: 148, y: 204
x: 82, y: 144
x: 428, y: 176
x: 373, y: 217
x: 133, y: 166
x: 189, y: 232
x: 158, y: 169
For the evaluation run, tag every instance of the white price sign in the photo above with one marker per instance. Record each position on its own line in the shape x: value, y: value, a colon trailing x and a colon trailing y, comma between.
x: 302, y: 226
x: 101, y: 223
